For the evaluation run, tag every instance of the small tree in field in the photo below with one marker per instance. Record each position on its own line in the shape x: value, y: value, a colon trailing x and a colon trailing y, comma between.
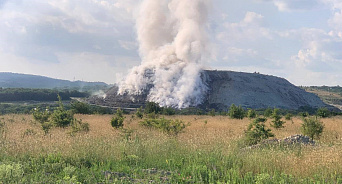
x: 312, y: 127
x: 139, y: 113
x: 323, y: 112
x: 268, y: 112
x: 277, y: 122
x: 61, y: 117
x: 251, y: 113
x: 118, y: 119
x: 257, y: 131
x: 236, y: 112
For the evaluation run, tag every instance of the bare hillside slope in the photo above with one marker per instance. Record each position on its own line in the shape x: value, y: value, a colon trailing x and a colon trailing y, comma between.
x: 250, y: 90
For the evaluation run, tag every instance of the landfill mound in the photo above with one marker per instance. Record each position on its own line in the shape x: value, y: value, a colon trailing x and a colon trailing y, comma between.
x: 250, y: 90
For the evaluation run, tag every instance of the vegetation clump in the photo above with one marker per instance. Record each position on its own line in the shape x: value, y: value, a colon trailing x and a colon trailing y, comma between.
x: 251, y: 114
x: 268, y: 112
x: 80, y: 108
x: 288, y: 116
x: 257, y: 131
x: 277, y: 122
x: 236, y: 112
x: 60, y: 117
x: 139, y: 113
x: 171, y: 127
x: 312, y: 127
x: 118, y: 120
x: 323, y: 112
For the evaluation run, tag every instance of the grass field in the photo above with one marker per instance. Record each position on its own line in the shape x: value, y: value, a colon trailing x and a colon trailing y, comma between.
x: 208, y: 152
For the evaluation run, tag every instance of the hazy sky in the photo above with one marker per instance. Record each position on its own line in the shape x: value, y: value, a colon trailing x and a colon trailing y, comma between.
x: 95, y: 40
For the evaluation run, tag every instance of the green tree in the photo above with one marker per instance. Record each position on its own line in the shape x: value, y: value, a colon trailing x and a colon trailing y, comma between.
x: 323, y: 112
x: 257, y: 131
x: 251, y: 113
x: 80, y: 107
x: 61, y: 117
x: 212, y: 112
x: 312, y: 127
x: 152, y: 107
x: 276, y: 122
x: 236, y: 112
x: 118, y: 120
x: 268, y: 112
x: 139, y: 113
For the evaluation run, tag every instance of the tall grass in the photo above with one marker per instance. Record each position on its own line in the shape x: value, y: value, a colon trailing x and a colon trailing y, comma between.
x: 204, y: 153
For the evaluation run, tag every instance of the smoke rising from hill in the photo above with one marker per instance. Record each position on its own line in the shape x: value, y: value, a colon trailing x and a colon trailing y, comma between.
x: 173, y: 46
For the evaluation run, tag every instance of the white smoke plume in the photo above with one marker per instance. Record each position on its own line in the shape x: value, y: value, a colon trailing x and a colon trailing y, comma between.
x: 173, y: 46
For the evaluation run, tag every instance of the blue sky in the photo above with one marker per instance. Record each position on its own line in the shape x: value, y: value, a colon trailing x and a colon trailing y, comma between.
x: 95, y: 40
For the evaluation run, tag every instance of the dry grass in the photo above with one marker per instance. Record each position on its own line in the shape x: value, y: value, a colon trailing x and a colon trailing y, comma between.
x: 24, y: 136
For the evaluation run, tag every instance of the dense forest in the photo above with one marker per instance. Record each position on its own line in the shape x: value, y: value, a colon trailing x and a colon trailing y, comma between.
x: 25, y: 94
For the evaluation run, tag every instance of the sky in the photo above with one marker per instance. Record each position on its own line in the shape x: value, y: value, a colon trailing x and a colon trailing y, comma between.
x: 95, y: 40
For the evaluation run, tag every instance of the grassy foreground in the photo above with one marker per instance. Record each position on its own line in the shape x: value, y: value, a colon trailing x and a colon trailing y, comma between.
x: 204, y: 153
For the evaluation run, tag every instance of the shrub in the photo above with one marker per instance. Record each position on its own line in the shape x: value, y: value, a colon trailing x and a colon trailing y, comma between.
x: 79, y: 126
x: 257, y: 131
x: 2, y: 128
x: 169, y: 111
x: 11, y: 173
x: 118, y: 119
x: 304, y: 114
x: 312, y: 127
x: 61, y: 117
x: 80, y: 107
x: 288, y: 116
x: 268, y: 112
x: 323, y: 112
x: 212, y: 112
x: 171, y: 127
x: 41, y: 116
x: 236, y: 112
x: 139, y: 113
x: 152, y: 107
x: 276, y: 122
x: 251, y: 113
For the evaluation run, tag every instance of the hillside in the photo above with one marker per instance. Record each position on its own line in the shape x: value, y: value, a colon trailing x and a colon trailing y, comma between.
x: 330, y: 95
x: 15, y: 80
x: 250, y: 90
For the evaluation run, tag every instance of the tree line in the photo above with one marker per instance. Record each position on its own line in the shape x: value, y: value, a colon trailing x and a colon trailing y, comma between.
x: 27, y: 94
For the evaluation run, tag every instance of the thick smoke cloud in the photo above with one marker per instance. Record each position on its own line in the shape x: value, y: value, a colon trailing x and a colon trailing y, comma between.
x: 173, y: 46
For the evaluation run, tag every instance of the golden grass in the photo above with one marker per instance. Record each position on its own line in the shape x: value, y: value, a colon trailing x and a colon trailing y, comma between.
x: 218, y: 131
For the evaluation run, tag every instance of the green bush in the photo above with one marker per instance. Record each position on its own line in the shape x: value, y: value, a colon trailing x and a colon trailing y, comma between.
x: 171, y: 127
x: 80, y: 108
x: 11, y: 173
x: 268, y: 112
x: 251, y: 113
x: 79, y: 126
x: 312, y: 127
x: 288, y: 116
x: 41, y: 116
x: 169, y: 111
x: 236, y: 112
x: 257, y: 131
x: 276, y: 122
x: 118, y: 120
x: 139, y: 113
x: 152, y: 107
x: 61, y: 117
x: 303, y: 114
x: 323, y: 112
x: 212, y: 112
